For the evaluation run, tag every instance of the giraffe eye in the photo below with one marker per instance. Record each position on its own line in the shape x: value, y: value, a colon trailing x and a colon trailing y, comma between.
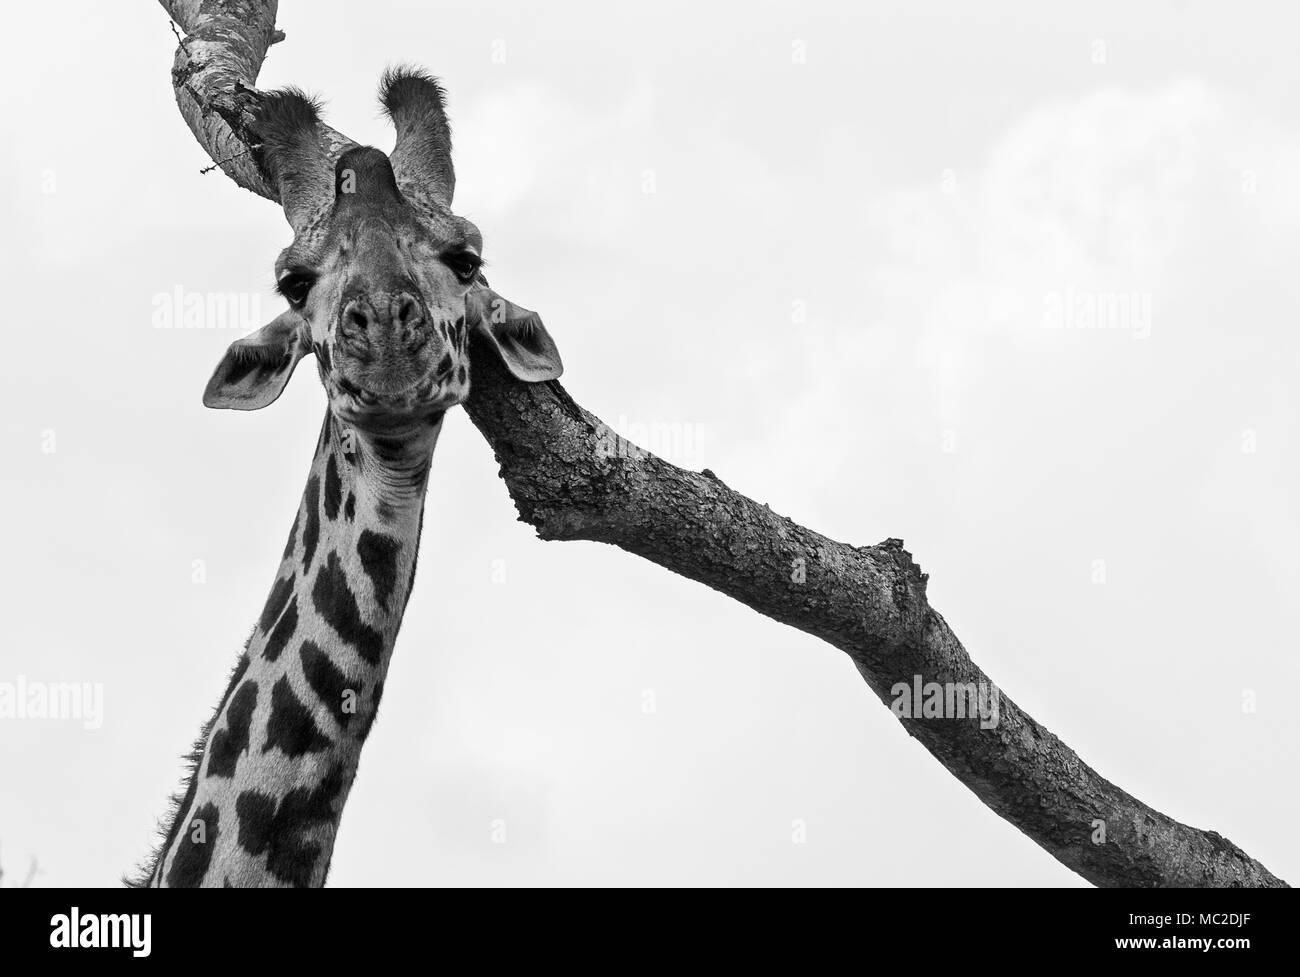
x: 294, y: 286
x: 465, y: 264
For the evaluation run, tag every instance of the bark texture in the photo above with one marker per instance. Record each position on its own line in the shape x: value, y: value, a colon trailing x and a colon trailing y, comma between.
x: 223, y: 45
x: 573, y: 478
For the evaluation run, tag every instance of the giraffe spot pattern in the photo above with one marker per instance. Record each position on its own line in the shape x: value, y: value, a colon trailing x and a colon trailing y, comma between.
x: 281, y: 832
x: 350, y: 507
x: 374, y: 709
x: 337, y: 606
x: 333, y: 489
x: 328, y: 681
x: 191, y: 789
x: 181, y: 810
x: 379, y: 559
x: 275, y: 603
x: 410, y: 580
x: 193, y: 857
x: 236, y: 677
x: 283, y: 631
x: 293, y: 539
x: 229, y: 743
x: 311, y: 531
x: 291, y: 726
x: 256, y: 814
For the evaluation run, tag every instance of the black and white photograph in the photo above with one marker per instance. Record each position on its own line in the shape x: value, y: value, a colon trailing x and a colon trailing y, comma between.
x: 719, y: 445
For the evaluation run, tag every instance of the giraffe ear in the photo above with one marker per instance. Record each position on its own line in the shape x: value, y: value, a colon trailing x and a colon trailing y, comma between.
x: 516, y: 334
x: 255, y: 369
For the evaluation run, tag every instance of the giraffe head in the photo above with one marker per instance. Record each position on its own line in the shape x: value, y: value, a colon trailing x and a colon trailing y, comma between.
x: 383, y: 281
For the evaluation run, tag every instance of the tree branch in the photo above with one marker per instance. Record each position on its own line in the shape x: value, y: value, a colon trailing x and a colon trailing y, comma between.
x: 572, y: 478
x: 213, y: 72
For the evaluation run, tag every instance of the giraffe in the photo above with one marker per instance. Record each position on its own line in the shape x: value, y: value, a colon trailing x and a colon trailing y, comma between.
x: 383, y: 284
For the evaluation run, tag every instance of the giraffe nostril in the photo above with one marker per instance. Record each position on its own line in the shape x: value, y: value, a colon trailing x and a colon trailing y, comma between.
x: 406, y: 311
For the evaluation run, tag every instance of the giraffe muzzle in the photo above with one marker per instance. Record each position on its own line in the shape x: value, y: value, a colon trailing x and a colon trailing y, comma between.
x: 386, y: 342
x: 398, y: 320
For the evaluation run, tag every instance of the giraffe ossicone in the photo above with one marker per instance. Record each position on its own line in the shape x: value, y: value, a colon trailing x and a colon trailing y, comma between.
x: 383, y: 284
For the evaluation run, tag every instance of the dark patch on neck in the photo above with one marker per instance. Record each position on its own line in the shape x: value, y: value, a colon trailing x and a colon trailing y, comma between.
x: 283, y: 632
x: 326, y: 429
x: 256, y: 814
x: 337, y: 604
x: 229, y: 743
x: 391, y: 451
x: 293, y: 539
x: 182, y: 804
x: 333, y: 488
x: 280, y: 595
x: 379, y: 559
x: 193, y: 858
x: 350, y: 507
x: 329, y: 683
x: 375, y: 697
x: 311, y: 532
x: 182, y: 809
x: 236, y: 677
x: 291, y: 856
x: 291, y: 726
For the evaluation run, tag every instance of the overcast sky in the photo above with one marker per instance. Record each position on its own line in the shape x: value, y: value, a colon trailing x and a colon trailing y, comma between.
x: 842, y: 254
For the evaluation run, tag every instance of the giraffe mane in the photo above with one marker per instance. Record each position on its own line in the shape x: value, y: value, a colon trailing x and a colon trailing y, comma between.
x: 180, y: 799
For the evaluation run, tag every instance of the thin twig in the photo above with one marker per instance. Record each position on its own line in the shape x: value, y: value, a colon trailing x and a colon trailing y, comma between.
x: 209, y: 169
x: 180, y: 40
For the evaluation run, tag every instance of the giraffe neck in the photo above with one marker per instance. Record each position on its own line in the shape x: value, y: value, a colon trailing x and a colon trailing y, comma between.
x: 273, y: 767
